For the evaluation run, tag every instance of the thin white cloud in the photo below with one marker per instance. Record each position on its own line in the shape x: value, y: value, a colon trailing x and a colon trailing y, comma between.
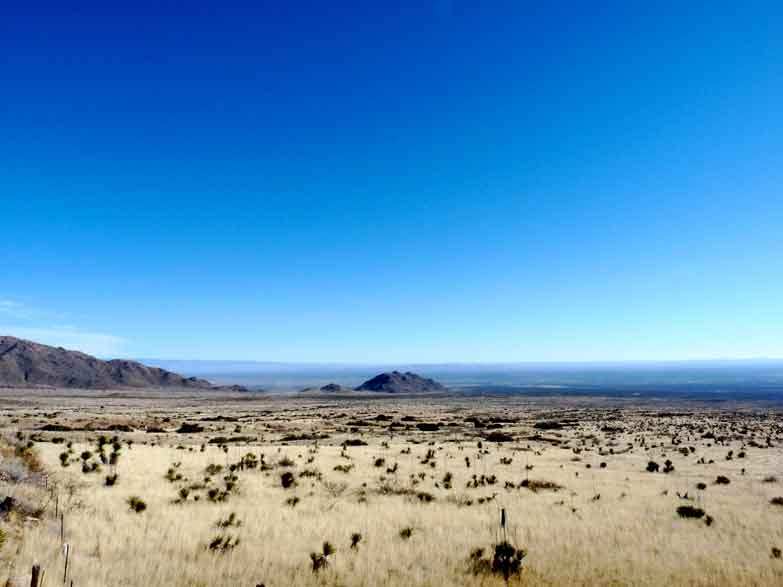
x: 14, y: 309
x: 92, y: 343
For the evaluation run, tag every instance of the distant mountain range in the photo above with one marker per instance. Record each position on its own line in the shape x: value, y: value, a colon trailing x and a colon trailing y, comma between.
x: 28, y: 364
x: 24, y: 363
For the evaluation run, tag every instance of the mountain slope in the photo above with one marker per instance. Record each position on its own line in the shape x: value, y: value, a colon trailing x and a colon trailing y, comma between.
x: 396, y: 382
x: 24, y: 363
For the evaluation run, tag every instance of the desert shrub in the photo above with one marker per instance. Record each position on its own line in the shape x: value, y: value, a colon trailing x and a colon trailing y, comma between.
x: 548, y: 425
x: 380, y: 462
x: 136, y: 504
x: 356, y: 538
x: 770, y: 479
x: 428, y: 456
x: 481, y: 481
x: 406, y: 533
x: 776, y: 552
x: 498, y: 436
x: 425, y: 497
x: 776, y: 501
x: 668, y: 467
x: 219, y: 440
x: 652, y: 467
x: 386, y: 487
x: 354, y: 442
x: 231, y: 481
x: 111, y: 480
x: 428, y: 426
x: 249, y: 461
x: 187, y: 428
x: 506, y: 460
x: 285, y: 462
x: 230, y: 521
x: 689, y: 511
x: 172, y: 474
x: 55, y: 428
x: 287, y: 480
x: 320, y: 560
x: 90, y: 467
x: 722, y: 480
x: 478, y: 564
x: 334, y: 488
x: 292, y: 501
x: 701, y: 485
x: 213, y: 469
x: 216, y: 495
x: 536, y: 485
x: 506, y: 560
x: 183, y: 493
x: 64, y: 456
x: 223, y: 543
x: 447, y: 478
x: 343, y: 468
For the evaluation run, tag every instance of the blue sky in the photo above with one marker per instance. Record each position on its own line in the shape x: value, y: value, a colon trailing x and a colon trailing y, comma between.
x: 393, y: 182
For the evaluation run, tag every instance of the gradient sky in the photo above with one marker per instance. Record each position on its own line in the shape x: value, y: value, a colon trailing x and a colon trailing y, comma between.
x: 381, y: 181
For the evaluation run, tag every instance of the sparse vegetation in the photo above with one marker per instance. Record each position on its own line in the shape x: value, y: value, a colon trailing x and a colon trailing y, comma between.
x: 423, y: 496
x: 136, y: 504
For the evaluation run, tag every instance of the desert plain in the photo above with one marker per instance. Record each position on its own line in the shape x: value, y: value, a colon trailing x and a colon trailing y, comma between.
x: 206, y: 488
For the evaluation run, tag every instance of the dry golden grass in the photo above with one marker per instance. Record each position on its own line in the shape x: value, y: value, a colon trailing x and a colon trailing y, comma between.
x: 611, y: 525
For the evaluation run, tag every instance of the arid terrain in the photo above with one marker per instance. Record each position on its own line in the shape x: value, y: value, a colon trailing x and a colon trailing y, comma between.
x: 207, y: 488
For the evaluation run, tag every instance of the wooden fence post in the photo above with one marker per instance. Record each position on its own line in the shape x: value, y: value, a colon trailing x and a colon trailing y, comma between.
x: 34, y: 578
x: 67, y: 548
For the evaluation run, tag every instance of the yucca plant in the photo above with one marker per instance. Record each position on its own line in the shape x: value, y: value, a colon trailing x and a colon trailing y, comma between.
x: 356, y: 538
x: 320, y: 560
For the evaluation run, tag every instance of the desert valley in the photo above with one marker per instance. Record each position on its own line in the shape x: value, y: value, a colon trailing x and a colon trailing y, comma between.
x: 141, y: 485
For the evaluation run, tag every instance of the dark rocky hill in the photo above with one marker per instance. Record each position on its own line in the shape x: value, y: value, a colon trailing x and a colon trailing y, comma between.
x: 27, y: 364
x: 396, y: 382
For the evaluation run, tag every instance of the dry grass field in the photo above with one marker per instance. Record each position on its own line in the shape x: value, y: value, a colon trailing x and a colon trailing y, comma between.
x: 245, y: 490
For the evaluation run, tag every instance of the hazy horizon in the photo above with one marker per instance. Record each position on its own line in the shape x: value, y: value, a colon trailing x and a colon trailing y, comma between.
x: 750, y: 377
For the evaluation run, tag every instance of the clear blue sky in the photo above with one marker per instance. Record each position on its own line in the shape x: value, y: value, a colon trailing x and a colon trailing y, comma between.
x: 381, y: 181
